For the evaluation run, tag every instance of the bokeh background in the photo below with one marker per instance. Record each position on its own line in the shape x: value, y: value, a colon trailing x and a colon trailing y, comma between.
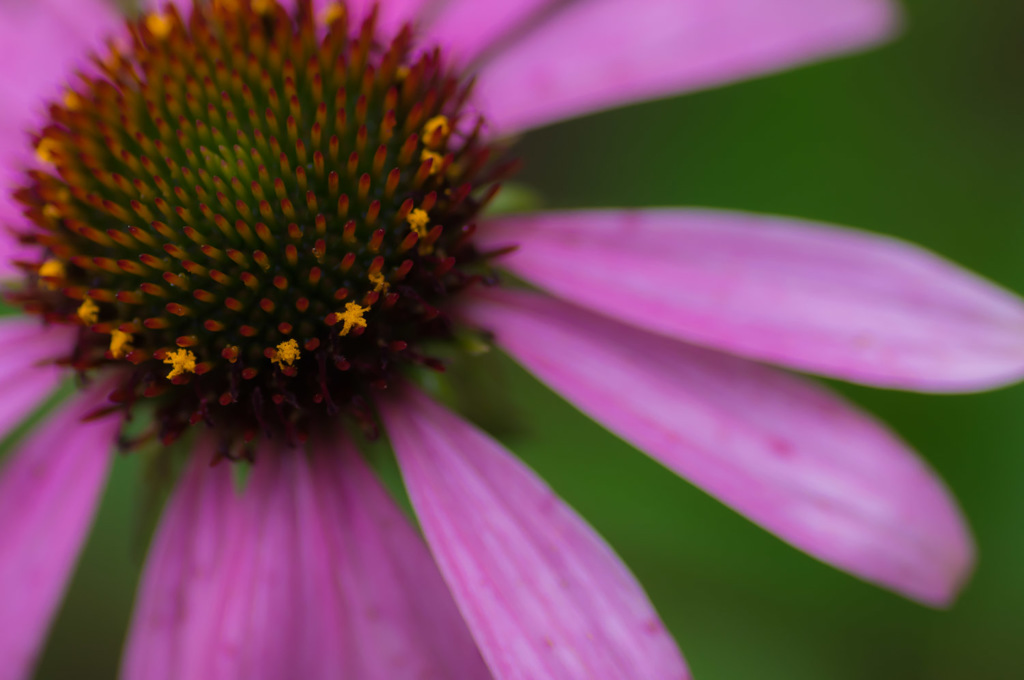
x: 923, y: 139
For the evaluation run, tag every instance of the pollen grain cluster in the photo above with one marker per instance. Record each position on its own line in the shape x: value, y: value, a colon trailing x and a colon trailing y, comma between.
x: 257, y: 214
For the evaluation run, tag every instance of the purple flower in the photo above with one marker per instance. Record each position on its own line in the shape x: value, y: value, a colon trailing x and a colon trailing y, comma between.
x: 265, y: 220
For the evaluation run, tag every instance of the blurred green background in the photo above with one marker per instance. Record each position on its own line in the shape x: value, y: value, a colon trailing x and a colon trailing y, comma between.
x: 923, y: 139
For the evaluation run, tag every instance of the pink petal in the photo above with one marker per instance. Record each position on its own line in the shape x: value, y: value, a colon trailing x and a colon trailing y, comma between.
x: 469, y: 27
x: 789, y: 455
x: 269, y: 623
x: 26, y: 372
x: 183, y: 585
x: 602, y: 53
x: 409, y: 625
x: 544, y: 596
x: 313, y: 573
x: 843, y: 303
x: 49, y: 489
x: 47, y: 40
x: 464, y: 28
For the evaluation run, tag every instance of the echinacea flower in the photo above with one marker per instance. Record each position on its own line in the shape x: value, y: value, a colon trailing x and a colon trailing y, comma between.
x: 249, y: 224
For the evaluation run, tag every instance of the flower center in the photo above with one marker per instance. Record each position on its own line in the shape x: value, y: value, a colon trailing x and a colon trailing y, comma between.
x: 258, y: 214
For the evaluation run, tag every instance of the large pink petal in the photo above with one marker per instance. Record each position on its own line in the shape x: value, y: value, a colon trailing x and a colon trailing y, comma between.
x: 467, y: 28
x: 271, y: 621
x: 27, y: 371
x: 823, y: 299
x: 186, y: 576
x: 408, y: 625
x: 788, y: 454
x: 544, y: 596
x: 313, y: 573
x: 602, y: 53
x: 49, y: 489
x: 43, y: 42
x: 463, y: 28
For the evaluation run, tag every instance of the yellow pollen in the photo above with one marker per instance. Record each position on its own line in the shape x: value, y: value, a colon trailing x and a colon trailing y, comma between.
x: 418, y: 221
x: 53, y: 270
x: 72, y: 102
x: 402, y: 73
x: 88, y: 312
x: 47, y: 150
x: 352, y: 316
x: 287, y: 352
x: 160, y: 25
x: 332, y: 13
x: 437, y: 124
x: 263, y: 6
x: 120, y: 343
x: 50, y: 211
x: 181, y: 361
x: 380, y: 284
x: 437, y: 160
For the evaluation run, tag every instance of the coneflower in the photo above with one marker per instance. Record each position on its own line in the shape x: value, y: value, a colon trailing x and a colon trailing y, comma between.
x: 247, y: 227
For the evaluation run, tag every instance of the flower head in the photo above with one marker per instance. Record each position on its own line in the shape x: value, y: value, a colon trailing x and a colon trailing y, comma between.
x: 240, y: 206
x: 257, y: 216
